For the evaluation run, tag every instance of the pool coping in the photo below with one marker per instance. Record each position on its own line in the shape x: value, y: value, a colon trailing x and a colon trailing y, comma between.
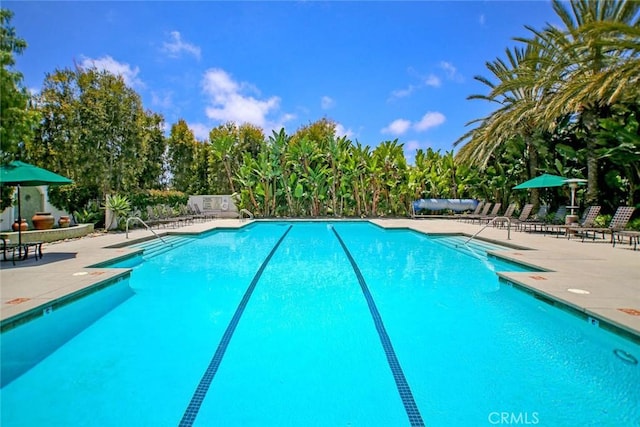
x: 77, y: 279
x: 54, y: 282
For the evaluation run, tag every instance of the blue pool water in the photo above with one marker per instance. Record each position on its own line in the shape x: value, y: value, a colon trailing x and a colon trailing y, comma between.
x: 299, y: 324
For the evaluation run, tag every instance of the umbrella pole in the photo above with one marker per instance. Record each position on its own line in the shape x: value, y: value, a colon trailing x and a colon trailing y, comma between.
x: 19, y: 225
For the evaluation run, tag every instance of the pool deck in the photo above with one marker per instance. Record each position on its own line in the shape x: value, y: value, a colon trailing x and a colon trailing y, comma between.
x: 609, y: 275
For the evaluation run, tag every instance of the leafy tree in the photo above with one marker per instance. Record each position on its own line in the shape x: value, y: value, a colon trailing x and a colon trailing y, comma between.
x: 18, y: 119
x: 593, y: 62
x: 320, y: 131
x: 223, y: 140
x: 228, y: 143
x: 618, y: 140
x: 392, y: 171
x: 95, y: 131
x: 518, y: 99
x: 154, y: 147
x: 181, y: 150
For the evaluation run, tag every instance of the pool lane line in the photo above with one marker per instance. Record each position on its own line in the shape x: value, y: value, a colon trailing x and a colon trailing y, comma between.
x: 398, y: 375
x: 192, y: 410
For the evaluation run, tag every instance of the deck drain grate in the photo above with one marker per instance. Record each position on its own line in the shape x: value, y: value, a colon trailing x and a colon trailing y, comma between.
x: 630, y: 311
x: 18, y: 301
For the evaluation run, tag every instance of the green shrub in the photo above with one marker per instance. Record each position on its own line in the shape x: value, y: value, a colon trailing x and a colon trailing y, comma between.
x: 90, y: 214
x: 602, y: 220
x: 142, y: 199
x: 634, y: 224
x: 120, y: 206
x: 72, y: 198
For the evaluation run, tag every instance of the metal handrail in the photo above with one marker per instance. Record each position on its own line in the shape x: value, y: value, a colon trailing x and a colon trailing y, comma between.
x: 475, y: 254
x: 491, y: 222
x: 146, y: 226
x: 246, y: 212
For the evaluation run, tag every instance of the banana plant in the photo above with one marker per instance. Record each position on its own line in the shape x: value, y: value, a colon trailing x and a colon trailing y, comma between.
x: 247, y: 180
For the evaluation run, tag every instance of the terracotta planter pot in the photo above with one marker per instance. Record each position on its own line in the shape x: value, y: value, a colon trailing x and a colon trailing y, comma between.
x: 23, y: 226
x: 64, y: 222
x: 43, y: 221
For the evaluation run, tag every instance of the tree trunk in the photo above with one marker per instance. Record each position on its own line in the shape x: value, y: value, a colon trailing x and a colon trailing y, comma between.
x: 227, y: 168
x: 591, y: 198
x: 533, y: 171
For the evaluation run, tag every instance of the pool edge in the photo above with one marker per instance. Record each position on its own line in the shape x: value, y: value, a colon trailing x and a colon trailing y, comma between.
x: 55, y: 303
x: 604, y: 322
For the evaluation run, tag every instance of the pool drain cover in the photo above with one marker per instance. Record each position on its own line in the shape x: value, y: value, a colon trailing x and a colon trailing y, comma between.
x: 625, y: 357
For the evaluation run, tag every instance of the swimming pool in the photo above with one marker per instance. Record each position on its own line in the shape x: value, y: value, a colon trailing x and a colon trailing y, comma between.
x: 323, y: 324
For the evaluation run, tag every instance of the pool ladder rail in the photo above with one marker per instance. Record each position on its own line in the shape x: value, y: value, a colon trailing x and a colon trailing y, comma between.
x: 245, y: 212
x: 137, y: 218
x: 493, y: 220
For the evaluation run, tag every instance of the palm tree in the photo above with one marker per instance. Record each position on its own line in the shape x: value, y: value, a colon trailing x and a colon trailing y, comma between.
x: 593, y: 62
x: 519, y: 98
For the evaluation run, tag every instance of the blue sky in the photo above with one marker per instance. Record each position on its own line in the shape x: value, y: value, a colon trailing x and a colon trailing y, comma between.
x: 381, y: 70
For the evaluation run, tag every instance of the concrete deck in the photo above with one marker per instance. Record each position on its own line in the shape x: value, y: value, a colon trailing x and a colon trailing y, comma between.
x: 610, y: 275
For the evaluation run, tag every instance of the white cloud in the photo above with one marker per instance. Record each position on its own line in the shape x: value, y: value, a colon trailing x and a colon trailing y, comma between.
x: 451, y: 71
x: 401, y: 126
x: 432, y: 80
x: 341, y: 131
x: 107, y: 63
x: 397, y: 127
x: 200, y: 131
x: 402, y: 93
x: 411, y: 147
x: 229, y: 103
x: 429, y: 120
x: 482, y: 19
x: 278, y: 124
x: 327, y: 102
x: 163, y: 100
x: 177, y: 46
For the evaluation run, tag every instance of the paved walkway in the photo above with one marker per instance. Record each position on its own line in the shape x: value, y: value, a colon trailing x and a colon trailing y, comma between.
x: 610, y: 277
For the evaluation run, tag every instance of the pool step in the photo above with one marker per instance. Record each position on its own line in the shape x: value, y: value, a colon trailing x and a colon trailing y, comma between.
x: 157, y: 247
x: 474, y: 248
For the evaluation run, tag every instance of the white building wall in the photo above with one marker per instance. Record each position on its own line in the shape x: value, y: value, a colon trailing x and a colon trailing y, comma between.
x: 9, y: 215
x: 221, y: 205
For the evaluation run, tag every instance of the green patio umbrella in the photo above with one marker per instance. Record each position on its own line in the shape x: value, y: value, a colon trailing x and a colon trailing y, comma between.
x: 548, y: 180
x: 17, y: 174
x: 542, y: 181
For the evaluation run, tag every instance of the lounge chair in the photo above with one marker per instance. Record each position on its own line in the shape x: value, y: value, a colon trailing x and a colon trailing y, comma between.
x: 194, y: 213
x: 558, y: 218
x: 524, y: 215
x: 494, y: 213
x: 538, y: 217
x: 485, y: 212
x: 475, y: 213
x: 634, y: 237
x: 205, y: 214
x: 588, y: 219
x: 617, y: 224
x: 156, y: 216
x: 507, y: 214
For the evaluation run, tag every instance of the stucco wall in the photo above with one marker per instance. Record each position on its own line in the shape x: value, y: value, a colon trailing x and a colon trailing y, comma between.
x: 220, y: 205
x: 33, y: 199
